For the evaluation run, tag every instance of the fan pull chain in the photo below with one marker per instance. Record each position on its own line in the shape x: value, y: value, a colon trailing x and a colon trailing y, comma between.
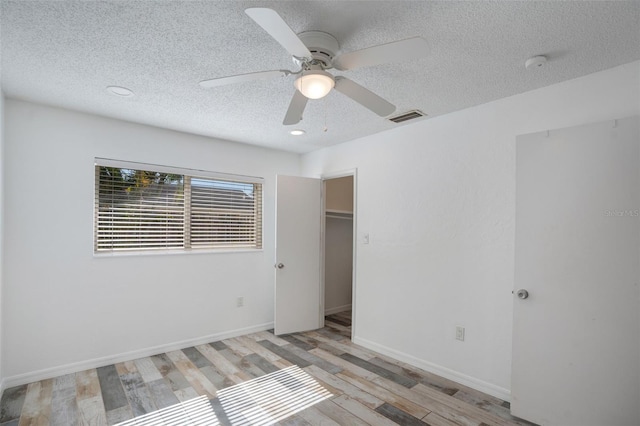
x: 325, y: 115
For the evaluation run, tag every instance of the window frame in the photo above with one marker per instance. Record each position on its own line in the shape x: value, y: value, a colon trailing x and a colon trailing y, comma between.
x: 187, y: 174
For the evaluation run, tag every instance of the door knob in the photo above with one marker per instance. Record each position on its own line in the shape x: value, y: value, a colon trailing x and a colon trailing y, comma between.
x: 280, y: 265
x: 522, y: 294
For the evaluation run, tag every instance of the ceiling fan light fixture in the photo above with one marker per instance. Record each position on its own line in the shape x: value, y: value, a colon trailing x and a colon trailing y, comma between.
x: 315, y: 84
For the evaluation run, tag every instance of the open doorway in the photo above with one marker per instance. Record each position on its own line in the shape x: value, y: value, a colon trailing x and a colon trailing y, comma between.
x: 339, y: 229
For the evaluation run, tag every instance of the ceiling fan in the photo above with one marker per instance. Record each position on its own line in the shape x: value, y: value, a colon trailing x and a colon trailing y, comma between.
x: 315, y: 52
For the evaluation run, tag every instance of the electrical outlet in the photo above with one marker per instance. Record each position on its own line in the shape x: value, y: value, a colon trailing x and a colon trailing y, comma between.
x: 460, y: 333
x: 240, y: 302
x: 365, y: 238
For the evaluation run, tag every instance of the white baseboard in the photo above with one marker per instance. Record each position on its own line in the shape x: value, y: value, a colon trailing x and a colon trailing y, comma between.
x: 337, y: 309
x: 463, y: 379
x: 48, y: 373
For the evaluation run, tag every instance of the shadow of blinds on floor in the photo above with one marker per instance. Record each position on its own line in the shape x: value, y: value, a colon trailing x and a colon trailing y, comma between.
x: 261, y: 401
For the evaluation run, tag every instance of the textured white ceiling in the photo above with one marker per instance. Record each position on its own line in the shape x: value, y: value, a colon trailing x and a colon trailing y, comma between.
x: 65, y: 53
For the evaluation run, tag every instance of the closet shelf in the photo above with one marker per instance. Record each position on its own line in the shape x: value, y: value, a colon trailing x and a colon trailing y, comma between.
x: 339, y: 214
x: 339, y: 211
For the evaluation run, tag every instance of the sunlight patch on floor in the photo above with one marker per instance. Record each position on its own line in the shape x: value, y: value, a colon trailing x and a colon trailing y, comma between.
x: 261, y: 401
x: 272, y: 397
x: 196, y: 411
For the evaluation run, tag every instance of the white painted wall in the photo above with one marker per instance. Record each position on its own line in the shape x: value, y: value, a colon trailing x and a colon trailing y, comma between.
x: 1, y: 231
x: 437, y: 198
x: 62, y: 305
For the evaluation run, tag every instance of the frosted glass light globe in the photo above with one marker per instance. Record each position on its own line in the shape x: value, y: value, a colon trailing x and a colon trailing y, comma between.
x: 315, y: 84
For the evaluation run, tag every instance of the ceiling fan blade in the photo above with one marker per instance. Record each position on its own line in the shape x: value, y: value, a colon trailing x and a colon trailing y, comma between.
x: 262, y: 75
x: 403, y: 50
x: 273, y: 23
x: 364, y: 97
x: 296, y: 108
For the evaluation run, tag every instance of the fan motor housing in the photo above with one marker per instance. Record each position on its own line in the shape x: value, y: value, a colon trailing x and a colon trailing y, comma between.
x: 323, y: 47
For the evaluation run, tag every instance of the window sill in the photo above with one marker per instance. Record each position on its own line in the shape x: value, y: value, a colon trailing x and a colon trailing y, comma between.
x: 174, y: 252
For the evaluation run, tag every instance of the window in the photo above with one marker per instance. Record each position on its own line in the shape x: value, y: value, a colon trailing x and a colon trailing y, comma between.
x: 146, y: 207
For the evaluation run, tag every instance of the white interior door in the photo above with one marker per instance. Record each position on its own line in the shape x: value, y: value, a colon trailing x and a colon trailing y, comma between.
x: 576, y: 348
x: 298, y: 230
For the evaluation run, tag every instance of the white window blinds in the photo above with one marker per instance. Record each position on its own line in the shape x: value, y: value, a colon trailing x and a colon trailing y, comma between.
x: 139, y: 207
x: 225, y: 214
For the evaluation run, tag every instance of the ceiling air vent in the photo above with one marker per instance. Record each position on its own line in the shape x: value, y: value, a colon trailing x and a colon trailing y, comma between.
x: 410, y: 115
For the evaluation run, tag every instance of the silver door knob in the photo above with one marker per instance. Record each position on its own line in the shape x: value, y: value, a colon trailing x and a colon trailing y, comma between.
x: 522, y: 294
x: 280, y: 265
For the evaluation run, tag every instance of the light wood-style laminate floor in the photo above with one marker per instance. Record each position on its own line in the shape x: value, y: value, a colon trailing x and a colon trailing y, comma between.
x: 313, y: 378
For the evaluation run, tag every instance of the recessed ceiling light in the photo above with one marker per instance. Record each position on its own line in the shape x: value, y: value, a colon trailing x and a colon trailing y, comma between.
x: 535, y: 62
x: 297, y: 132
x: 119, y: 91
